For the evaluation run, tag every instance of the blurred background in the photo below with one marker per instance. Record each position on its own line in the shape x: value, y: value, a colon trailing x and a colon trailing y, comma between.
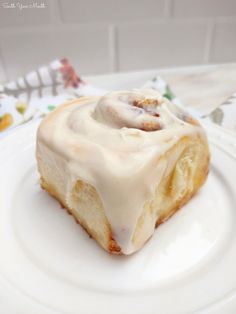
x: 104, y: 36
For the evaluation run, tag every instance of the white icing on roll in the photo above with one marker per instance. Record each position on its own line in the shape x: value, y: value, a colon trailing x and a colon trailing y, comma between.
x: 114, y: 143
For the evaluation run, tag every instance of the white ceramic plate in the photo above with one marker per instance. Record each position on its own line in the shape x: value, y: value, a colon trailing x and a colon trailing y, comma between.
x: 48, y: 264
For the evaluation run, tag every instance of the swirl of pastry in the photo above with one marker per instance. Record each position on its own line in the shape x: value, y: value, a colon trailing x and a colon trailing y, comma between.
x: 132, y: 109
x: 142, y: 109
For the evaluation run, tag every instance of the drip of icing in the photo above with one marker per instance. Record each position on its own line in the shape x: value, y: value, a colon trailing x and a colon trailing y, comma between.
x: 108, y: 143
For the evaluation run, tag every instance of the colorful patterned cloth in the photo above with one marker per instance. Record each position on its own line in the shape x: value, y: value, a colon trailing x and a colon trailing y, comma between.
x: 40, y: 91
x: 225, y: 114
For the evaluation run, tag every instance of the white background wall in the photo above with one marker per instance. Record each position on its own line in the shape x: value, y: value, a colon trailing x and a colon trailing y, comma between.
x: 102, y: 36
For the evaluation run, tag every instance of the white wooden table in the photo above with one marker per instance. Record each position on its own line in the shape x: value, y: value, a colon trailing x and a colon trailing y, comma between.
x: 203, y: 87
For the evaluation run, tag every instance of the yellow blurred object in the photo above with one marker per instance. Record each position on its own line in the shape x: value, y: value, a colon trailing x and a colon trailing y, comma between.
x: 21, y: 107
x: 5, y: 121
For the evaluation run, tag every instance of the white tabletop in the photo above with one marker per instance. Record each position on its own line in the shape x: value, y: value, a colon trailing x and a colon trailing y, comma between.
x: 204, y: 87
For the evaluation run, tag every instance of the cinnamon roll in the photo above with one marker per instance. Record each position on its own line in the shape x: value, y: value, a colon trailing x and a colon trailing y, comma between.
x: 121, y: 164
